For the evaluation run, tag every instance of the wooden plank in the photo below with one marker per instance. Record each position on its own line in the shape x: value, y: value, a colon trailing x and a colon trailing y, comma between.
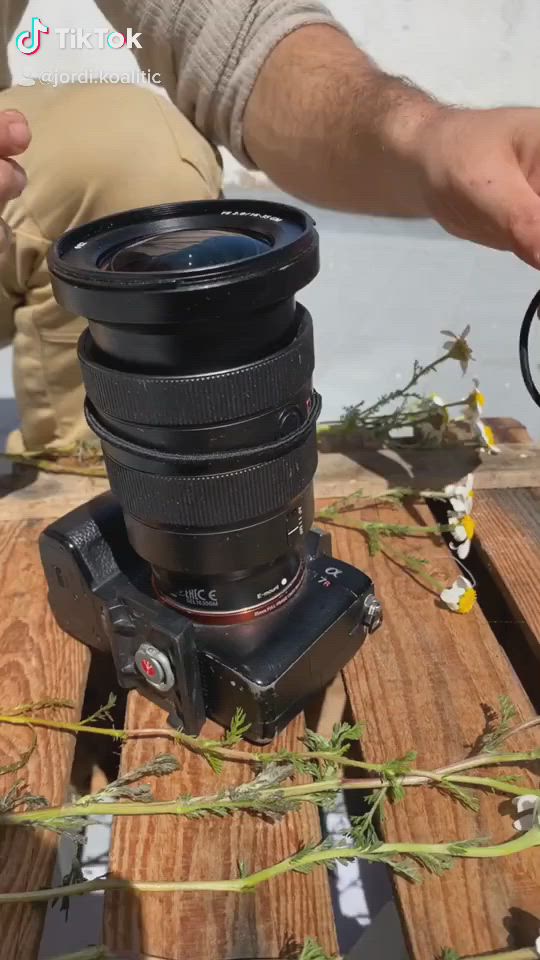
x: 340, y: 474
x: 508, y: 543
x: 220, y: 926
x: 36, y: 660
x: 27, y: 494
x: 420, y: 683
x: 508, y: 430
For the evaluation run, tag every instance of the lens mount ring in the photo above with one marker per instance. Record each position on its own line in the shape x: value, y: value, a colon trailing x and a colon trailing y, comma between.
x: 157, y: 400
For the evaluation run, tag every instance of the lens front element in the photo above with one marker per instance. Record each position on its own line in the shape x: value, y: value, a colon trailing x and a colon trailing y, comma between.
x: 182, y: 250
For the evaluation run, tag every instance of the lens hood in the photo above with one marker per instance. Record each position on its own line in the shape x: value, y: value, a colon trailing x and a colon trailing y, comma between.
x: 114, y: 270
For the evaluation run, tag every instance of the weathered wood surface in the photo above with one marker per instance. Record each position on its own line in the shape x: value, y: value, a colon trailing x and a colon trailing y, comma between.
x: 422, y: 683
x: 37, y: 660
x: 374, y: 472
x: 217, y: 926
x: 508, y: 543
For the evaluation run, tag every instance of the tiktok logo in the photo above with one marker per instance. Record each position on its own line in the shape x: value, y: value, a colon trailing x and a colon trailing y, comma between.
x: 29, y: 41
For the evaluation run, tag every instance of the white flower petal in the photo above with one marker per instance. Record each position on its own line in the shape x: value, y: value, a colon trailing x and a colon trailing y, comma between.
x: 537, y: 945
x: 525, y: 802
x: 527, y: 806
x: 464, y: 549
x: 466, y: 332
x: 524, y: 823
x: 459, y: 533
x: 448, y: 333
x: 451, y: 596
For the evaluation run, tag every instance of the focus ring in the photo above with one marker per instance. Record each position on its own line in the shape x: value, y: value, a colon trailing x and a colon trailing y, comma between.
x: 208, y: 398
x: 217, y: 499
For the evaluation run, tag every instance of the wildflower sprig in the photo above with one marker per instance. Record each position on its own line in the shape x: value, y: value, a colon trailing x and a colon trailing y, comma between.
x: 431, y: 420
x: 404, y: 859
x: 269, y: 794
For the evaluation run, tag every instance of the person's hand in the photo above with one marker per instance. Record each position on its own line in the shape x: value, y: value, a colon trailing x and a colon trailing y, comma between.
x: 480, y: 175
x: 14, y: 139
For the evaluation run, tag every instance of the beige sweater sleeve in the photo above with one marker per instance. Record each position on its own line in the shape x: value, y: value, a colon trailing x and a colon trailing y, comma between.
x: 209, y: 52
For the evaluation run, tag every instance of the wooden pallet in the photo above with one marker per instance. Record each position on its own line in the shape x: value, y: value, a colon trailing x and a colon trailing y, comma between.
x: 421, y: 682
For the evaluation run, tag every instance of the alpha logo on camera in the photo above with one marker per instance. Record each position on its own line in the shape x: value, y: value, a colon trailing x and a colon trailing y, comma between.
x: 75, y: 38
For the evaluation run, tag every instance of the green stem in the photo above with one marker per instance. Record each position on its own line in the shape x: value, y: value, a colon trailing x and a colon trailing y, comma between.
x: 66, y: 726
x: 226, y: 804
x: 412, y: 382
x: 390, y: 529
x: 291, y: 864
x: 227, y: 753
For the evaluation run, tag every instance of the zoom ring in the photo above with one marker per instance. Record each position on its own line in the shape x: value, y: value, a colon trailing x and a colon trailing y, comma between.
x: 219, y: 499
x: 209, y: 398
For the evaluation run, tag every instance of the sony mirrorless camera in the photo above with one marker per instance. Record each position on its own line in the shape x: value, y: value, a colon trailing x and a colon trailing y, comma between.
x: 200, y: 570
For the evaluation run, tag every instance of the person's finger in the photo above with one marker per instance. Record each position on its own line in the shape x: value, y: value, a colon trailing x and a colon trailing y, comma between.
x: 15, y: 133
x: 12, y: 180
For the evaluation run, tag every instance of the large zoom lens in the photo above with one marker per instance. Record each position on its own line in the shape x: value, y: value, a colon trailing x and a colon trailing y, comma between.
x: 198, y: 364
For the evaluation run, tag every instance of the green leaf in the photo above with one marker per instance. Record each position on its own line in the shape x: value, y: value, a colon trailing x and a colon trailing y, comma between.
x: 363, y: 828
x: 404, y: 868
x: 23, y: 759
x: 500, y: 723
x: 437, y: 863
x: 461, y: 846
x: 343, y: 734
x: 466, y: 797
x: 238, y: 728
x: 215, y: 762
x: 103, y: 713
x: 399, y: 767
x: 312, y: 951
x: 316, y: 743
x: 449, y: 954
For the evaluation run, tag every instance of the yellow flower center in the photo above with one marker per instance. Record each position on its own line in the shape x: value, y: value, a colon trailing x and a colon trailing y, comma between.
x: 469, y: 526
x: 460, y: 350
x: 490, y: 438
x: 467, y: 601
x: 476, y: 400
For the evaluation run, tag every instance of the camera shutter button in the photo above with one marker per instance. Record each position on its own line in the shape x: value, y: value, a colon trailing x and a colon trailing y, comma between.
x: 155, y: 667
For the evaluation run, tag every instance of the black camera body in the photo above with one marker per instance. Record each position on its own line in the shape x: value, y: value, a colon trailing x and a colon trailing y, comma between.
x: 101, y: 593
x: 200, y: 570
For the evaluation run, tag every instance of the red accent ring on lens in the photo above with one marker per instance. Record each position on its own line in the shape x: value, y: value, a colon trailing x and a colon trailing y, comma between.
x: 229, y: 617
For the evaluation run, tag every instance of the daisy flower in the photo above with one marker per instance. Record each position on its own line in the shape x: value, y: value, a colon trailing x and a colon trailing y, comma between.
x: 463, y: 528
x: 457, y: 347
x: 460, y: 597
x: 475, y: 402
x: 486, y: 436
x: 461, y: 495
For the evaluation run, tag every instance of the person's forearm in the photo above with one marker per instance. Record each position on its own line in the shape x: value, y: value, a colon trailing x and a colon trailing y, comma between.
x: 328, y: 126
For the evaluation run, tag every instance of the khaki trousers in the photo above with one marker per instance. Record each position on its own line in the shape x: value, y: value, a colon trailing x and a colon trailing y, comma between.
x: 96, y: 150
